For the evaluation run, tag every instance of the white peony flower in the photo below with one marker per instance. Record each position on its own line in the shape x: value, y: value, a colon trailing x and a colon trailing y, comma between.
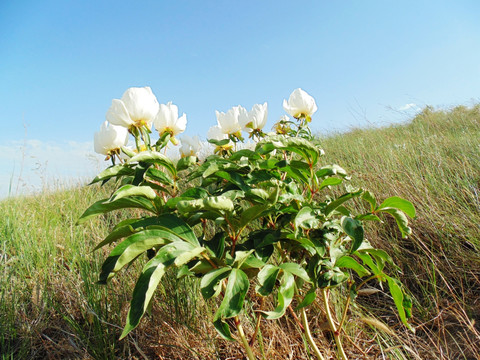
x: 300, y: 104
x: 167, y: 120
x: 137, y: 107
x: 255, y: 119
x: 110, y: 138
x: 228, y: 122
x: 191, y: 146
x: 216, y: 133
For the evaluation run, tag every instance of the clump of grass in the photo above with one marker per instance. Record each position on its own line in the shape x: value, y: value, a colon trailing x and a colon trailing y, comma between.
x: 50, y: 306
x: 433, y: 161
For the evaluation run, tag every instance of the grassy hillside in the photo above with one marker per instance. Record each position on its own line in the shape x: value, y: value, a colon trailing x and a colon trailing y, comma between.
x: 51, y: 308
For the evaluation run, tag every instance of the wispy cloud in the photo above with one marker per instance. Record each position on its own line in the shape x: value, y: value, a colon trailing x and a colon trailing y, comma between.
x: 30, y: 165
x: 407, y: 107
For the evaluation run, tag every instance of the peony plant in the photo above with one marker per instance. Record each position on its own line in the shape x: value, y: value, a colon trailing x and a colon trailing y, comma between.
x: 263, y: 217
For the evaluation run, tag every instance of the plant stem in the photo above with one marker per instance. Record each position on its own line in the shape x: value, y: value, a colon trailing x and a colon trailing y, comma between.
x: 257, y: 325
x: 247, y: 347
x: 308, y: 335
x: 336, y: 332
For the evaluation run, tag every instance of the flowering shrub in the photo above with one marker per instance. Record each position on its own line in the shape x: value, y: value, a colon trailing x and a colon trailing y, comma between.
x: 264, y: 217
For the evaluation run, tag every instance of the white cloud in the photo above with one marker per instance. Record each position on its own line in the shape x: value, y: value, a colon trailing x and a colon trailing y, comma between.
x: 407, y: 107
x: 32, y: 165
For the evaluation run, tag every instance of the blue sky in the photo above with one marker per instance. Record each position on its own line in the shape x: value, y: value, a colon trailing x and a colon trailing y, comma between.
x: 62, y: 62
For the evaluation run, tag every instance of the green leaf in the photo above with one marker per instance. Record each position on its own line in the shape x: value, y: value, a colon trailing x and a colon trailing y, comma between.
x: 158, y: 175
x: 146, y: 285
x: 179, y: 227
x: 154, y: 157
x: 252, y: 155
x: 223, y: 329
x: 266, y: 279
x: 134, y: 245
x: 104, y: 206
x: 306, y: 149
x: 251, y: 214
x: 216, y: 244
x: 354, y: 229
x: 240, y: 257
x: 233, y: 178
x: 366, y: 259
x: 308, y: 299
x: 210, y: 281
x: 369, y: 217
x: 196, y: 193
x: 235, y: 292
x: 350, y: 263
x: 337, y: 202
x: 257, y: 195
x: 132, y: 190
x: 219, y: 142
x: 127, y: 228
x: 398, y: 298
x: 307, y: 219
x: 330, y: 170
x: 296, y: 270
x: 329, y: 182
x: 112, y: 171
x: 186, y: 256
x: 368, y: 196
x: 213, y: 203
x: 186, y: 162
x: 396, y: 202
x: 284, y: 297
x: 401, y: 220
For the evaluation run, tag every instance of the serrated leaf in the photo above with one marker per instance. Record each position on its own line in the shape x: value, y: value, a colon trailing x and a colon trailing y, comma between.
x: 210, y: 281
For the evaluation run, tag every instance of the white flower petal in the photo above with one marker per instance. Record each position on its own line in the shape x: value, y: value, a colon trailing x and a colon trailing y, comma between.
x: 300, y: 104
x: 216, y: 133
x: 141, y: 103
x: 118, y: 114
x: 110, y: 137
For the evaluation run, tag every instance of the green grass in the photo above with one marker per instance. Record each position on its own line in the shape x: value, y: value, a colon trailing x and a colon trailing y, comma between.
x: 50, y: 305
x: 433, y: 161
